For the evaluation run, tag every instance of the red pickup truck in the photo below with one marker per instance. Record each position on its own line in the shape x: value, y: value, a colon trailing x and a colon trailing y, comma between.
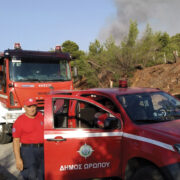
x: 137, y: 137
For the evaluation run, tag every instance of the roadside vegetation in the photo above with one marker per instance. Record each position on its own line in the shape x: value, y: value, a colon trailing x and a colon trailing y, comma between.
x: 118, y: 61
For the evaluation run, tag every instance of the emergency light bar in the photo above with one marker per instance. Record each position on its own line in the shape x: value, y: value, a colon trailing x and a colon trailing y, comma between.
x: 122, y: 84
x: 17, y: 46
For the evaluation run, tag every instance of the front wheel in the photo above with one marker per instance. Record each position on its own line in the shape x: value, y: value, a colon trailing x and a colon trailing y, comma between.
x: 148, y: 173
x: 4, y: 136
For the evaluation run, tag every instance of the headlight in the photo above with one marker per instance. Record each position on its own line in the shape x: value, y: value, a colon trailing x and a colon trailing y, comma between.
x: 177, y: 147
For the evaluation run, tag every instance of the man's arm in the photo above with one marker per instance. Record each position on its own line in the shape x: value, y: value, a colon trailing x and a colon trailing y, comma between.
x: 16, y: 148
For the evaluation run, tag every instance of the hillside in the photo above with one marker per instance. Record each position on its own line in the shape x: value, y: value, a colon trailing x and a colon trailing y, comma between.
x: 164, y: 76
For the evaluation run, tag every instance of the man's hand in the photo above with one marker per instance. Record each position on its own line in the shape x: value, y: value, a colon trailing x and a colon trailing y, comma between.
x: 16, y: 148
x: 19, y: 164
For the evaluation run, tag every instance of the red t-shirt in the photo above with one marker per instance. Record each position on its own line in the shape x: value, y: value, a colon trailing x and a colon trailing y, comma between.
x: 29, y: 130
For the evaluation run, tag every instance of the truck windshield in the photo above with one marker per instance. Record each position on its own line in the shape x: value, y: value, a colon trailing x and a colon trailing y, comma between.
x: 150, y: 107
x: 26, y: 71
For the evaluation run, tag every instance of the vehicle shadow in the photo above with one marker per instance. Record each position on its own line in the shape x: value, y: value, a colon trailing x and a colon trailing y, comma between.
x: 6, y: 175
x: 7, y: 169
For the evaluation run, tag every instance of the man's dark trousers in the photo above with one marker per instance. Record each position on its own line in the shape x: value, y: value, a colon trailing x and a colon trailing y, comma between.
x: 33, y: 162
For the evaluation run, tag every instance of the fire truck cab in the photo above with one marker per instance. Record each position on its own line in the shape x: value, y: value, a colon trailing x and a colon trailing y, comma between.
x: 25, y: 74
x: 117, y: 133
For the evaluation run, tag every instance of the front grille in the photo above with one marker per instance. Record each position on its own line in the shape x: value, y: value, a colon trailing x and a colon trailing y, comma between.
x: 40, y: 102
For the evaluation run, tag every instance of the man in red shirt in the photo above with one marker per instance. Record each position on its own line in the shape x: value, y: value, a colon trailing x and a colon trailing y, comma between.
x: 28, y: 142
x: 102, y: 116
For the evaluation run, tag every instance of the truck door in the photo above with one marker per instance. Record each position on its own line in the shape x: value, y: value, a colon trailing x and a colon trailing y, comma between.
x: 75, y: 146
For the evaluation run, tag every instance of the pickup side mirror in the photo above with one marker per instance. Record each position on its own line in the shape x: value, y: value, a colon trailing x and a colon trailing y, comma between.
x: 112, y: 123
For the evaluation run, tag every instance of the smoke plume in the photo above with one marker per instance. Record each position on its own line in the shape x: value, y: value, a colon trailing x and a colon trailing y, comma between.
x: 162, y: 15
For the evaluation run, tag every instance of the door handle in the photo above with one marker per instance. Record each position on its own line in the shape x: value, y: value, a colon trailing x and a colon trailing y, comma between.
x: 57, y: 139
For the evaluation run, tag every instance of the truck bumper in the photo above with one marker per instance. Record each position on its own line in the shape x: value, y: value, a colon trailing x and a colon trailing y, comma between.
x: 172, y: 172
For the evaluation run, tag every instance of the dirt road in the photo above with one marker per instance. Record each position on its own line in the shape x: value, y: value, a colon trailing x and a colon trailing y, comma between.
x: 8, y: 169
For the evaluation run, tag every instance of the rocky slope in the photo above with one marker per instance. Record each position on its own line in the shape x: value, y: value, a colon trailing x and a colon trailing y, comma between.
x: 164, y: 76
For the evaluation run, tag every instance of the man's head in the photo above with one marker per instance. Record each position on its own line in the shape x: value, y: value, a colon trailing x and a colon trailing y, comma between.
x: 30, y: 107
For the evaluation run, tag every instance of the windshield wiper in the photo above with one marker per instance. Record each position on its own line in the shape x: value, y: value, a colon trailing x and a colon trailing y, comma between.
x: 29, y: 80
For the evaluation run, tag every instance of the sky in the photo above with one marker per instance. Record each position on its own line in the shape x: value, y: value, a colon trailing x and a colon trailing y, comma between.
x: 43, y: 24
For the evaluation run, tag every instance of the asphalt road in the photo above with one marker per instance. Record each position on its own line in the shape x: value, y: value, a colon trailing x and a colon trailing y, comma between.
x: 8, y: 169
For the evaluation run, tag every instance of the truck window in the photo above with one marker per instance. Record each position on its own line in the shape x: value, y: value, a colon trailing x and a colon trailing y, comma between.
x: 80, y: 113
x: 90, y: 116
x: 158, y: 100
x: 85, y: 115
x: 150, y: 107
x: 23, y: 70
x: 60, y: 109
x: 3, y: 76
x: 102, y: 100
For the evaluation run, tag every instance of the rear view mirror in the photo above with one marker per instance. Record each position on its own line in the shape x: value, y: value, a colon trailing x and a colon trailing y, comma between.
x: 112, y: 123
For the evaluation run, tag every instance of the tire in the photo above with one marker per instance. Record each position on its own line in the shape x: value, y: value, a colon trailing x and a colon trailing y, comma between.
x: 4, y: 137
x: 148, y: 173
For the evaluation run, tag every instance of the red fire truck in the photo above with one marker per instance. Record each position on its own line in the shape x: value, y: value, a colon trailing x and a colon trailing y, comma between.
x: 119, y: 133
x: 24, y: 74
